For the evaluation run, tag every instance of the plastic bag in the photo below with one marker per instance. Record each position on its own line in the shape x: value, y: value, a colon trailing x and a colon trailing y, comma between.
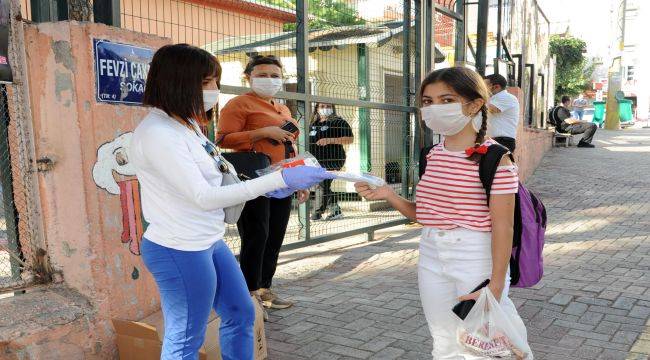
x: 370, y: 179
x: 305, y: 159
x: 490, y: 332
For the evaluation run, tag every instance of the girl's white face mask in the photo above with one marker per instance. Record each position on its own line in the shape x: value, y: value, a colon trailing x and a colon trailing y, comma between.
x: 448, y: 119
x: 266, y: 86
x: 210, y: 99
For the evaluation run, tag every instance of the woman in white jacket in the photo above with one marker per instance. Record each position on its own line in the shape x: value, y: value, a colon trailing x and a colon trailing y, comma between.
x: 183, y: 202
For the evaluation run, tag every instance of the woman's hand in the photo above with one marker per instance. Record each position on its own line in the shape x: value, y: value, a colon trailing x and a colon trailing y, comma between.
x: 323, y: 142
x: 380, y: 193
x: 495, y: 288
x: 277, y: 134
x: 302, y: 195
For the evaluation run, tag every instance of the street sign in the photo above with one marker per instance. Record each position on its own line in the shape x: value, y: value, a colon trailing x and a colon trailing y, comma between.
x: 121, y: 72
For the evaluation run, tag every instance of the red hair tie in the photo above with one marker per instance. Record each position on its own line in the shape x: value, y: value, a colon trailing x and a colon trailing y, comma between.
x: 483, y: 149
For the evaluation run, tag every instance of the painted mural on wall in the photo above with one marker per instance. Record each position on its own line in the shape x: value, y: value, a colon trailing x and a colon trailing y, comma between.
x: 113, y: 173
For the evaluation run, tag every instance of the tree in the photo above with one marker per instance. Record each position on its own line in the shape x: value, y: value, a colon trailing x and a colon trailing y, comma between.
x: 324, y: 14
x: 573, y: 71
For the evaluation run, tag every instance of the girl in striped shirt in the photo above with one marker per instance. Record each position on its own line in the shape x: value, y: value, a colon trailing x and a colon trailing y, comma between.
x: 464, y: 241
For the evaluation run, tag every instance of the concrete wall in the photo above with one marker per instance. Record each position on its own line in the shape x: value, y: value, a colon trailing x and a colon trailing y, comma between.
x: 83, y: 223
x: 197, y: 22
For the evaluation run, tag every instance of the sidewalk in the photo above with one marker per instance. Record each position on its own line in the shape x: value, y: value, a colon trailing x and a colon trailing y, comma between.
x: 358, y: 300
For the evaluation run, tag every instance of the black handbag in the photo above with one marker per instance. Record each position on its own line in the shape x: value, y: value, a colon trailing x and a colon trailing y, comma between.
x: 246, y: 162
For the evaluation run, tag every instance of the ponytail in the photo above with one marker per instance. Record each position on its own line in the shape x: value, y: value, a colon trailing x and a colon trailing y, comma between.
x: 480, y: 136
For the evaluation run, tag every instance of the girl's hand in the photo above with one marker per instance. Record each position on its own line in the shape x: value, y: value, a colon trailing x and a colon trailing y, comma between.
x: 380, y: 193
x: 302, y: 195
x: 495, y: 289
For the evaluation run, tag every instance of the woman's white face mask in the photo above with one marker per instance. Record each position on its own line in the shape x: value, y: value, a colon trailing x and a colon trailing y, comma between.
x: 210, y: 99
x: 448, y: 119
x: 325, y: 112
x: 266, y: 86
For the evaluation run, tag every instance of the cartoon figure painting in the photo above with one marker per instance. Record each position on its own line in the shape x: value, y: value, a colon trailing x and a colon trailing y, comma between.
x: 113, y: 173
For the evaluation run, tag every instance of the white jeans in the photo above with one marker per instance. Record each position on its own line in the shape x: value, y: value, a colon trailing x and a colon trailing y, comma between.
x: 452, y: 263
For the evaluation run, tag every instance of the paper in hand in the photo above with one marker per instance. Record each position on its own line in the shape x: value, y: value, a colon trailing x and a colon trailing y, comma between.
x: 371, y: 180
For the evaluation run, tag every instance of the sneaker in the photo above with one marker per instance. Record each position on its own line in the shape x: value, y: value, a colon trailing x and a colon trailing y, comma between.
x: 318, y: 215
x: 585, y: 145
x: 258, y: 298
x: 335, y: 214
x: 271, y: 301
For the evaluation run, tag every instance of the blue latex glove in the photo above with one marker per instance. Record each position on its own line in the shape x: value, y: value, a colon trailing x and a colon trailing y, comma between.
x: 280, y: 193
x: 304, y: 177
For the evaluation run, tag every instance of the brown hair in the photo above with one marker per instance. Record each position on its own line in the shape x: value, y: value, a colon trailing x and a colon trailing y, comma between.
x: 466, y: 83
x: 261, y: 60
x: 175, y: 81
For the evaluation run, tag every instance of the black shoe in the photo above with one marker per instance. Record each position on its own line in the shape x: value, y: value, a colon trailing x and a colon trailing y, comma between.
x: 317, y: 216
x: 585, y: 145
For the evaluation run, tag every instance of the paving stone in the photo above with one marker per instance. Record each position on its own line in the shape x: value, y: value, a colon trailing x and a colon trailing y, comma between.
x: 561, y: 299
x: 576, y: 308
x: 624, y: 303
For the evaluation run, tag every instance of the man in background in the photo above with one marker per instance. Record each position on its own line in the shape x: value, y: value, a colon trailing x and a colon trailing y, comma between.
x: 565, y: 123
x: 504, y: 110
x: 579, y: 106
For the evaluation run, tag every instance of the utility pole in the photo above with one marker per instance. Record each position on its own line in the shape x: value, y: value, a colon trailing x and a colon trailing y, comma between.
x: 612, y: 119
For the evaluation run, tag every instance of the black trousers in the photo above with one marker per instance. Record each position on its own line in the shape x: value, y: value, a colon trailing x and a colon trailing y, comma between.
x: 508, y: 142
x: 328, y: 196
x: 262, y: 226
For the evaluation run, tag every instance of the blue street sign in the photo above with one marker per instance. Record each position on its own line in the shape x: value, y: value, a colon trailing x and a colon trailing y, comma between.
x: 120, y: 71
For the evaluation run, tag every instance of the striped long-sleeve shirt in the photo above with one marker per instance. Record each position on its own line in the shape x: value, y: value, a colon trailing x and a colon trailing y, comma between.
x: 450, y: 193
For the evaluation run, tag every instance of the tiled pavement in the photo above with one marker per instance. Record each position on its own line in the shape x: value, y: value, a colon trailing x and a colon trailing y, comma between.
x: 361, y: 301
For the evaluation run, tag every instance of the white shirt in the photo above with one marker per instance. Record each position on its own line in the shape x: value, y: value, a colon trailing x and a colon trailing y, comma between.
x: 504, y: 123
x: 182, y: 196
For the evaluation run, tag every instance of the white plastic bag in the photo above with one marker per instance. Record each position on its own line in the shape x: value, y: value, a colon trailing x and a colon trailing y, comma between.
x: 490, y: 332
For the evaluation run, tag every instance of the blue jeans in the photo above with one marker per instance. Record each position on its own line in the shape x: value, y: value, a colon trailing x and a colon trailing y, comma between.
x: 191, y: 283
x: 579, y: 114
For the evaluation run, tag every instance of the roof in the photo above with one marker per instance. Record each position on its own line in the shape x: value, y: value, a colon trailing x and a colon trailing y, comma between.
x: 324, y: 40
x: 254, y: 8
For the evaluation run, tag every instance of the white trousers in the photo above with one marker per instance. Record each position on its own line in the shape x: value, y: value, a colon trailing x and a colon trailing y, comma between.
x: 451, y: 264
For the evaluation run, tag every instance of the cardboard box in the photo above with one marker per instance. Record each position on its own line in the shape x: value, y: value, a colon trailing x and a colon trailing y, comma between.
x: 142, y: 340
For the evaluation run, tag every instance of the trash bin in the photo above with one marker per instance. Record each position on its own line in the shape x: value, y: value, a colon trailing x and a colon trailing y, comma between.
x: 625, y: 110
x: 599, y: 113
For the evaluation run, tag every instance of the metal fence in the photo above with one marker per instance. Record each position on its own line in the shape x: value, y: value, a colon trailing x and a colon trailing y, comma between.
x: 18, y: 266
x: 356, y: 55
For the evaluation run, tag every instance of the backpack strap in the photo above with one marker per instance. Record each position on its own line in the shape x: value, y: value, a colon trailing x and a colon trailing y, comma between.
x: 422, y: 164
x: 487, y: 167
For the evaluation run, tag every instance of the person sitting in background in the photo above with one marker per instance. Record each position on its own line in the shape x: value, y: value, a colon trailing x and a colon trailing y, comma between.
x: 504, y: 110
x: 565, y: 123
x: 328, y: 133
x: 579, y: 106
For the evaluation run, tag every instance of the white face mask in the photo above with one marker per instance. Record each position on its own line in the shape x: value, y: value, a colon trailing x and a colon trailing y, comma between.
x: 325, y: 112
x: 266, y: 86
x: 448, y: 119
x: 210, y: 99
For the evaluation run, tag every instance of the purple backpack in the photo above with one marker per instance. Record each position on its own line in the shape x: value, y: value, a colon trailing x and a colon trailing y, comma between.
x: 526, y: 262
